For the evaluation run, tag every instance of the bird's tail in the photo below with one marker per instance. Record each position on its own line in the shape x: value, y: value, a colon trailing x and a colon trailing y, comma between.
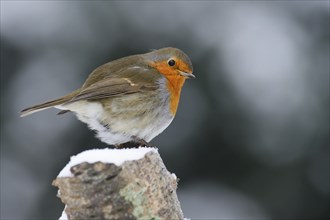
x: 49, y: 104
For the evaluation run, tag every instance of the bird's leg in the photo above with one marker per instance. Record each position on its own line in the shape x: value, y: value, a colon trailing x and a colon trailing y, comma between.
x: 141, y: 142
x: 129, y: 145
x: 134, y: 143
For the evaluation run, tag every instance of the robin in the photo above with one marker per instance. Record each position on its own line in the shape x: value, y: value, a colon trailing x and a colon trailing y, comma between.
x: 131, y: 100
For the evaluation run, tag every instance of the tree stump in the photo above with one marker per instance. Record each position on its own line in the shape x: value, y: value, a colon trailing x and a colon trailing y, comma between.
x: 136, y: 189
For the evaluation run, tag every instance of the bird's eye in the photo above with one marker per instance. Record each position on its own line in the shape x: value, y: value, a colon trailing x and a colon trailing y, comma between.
x: 171, y: 62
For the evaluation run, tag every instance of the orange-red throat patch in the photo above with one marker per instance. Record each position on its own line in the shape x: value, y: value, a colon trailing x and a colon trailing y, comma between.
x: 174, y: 83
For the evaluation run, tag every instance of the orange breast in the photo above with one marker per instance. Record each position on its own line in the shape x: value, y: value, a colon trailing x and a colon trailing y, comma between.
x: 174, y: 84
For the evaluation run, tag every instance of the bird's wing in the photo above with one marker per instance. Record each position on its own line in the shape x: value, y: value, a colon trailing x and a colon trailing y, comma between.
x: 123, y: 82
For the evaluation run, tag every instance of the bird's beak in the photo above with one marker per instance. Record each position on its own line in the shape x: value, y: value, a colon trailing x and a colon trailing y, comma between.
x: 187, y: 75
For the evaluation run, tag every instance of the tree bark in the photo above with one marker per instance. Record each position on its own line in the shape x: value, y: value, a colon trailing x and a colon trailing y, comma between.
x: 137, y: 189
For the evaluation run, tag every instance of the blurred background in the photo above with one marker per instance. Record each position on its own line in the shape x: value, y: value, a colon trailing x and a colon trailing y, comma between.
x: 251, y: 137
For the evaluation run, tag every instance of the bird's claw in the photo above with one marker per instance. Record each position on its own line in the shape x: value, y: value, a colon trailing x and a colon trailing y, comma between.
x: 135, y: 143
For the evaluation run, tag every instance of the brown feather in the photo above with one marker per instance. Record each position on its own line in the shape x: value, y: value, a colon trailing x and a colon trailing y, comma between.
x: 125, y: 81
x: 126, y: 75
x: 48, y: 104
x: 63, y: 112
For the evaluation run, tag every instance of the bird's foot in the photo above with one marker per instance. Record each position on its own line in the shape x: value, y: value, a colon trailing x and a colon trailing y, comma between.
x: 141, y: 142
x: 129, y: 145
x: 135, y: 143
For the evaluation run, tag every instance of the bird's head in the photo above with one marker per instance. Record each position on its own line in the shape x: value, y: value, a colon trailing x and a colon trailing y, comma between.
x: 171, y: 62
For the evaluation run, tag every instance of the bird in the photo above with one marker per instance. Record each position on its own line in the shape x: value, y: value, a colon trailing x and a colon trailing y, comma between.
x: 130, y: 100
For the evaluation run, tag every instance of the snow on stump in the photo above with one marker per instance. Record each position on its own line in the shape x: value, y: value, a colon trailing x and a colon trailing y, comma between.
x: 118, y: 184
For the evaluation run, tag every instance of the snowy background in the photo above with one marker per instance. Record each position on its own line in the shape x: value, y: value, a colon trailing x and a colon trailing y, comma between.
x: 251, y: 137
